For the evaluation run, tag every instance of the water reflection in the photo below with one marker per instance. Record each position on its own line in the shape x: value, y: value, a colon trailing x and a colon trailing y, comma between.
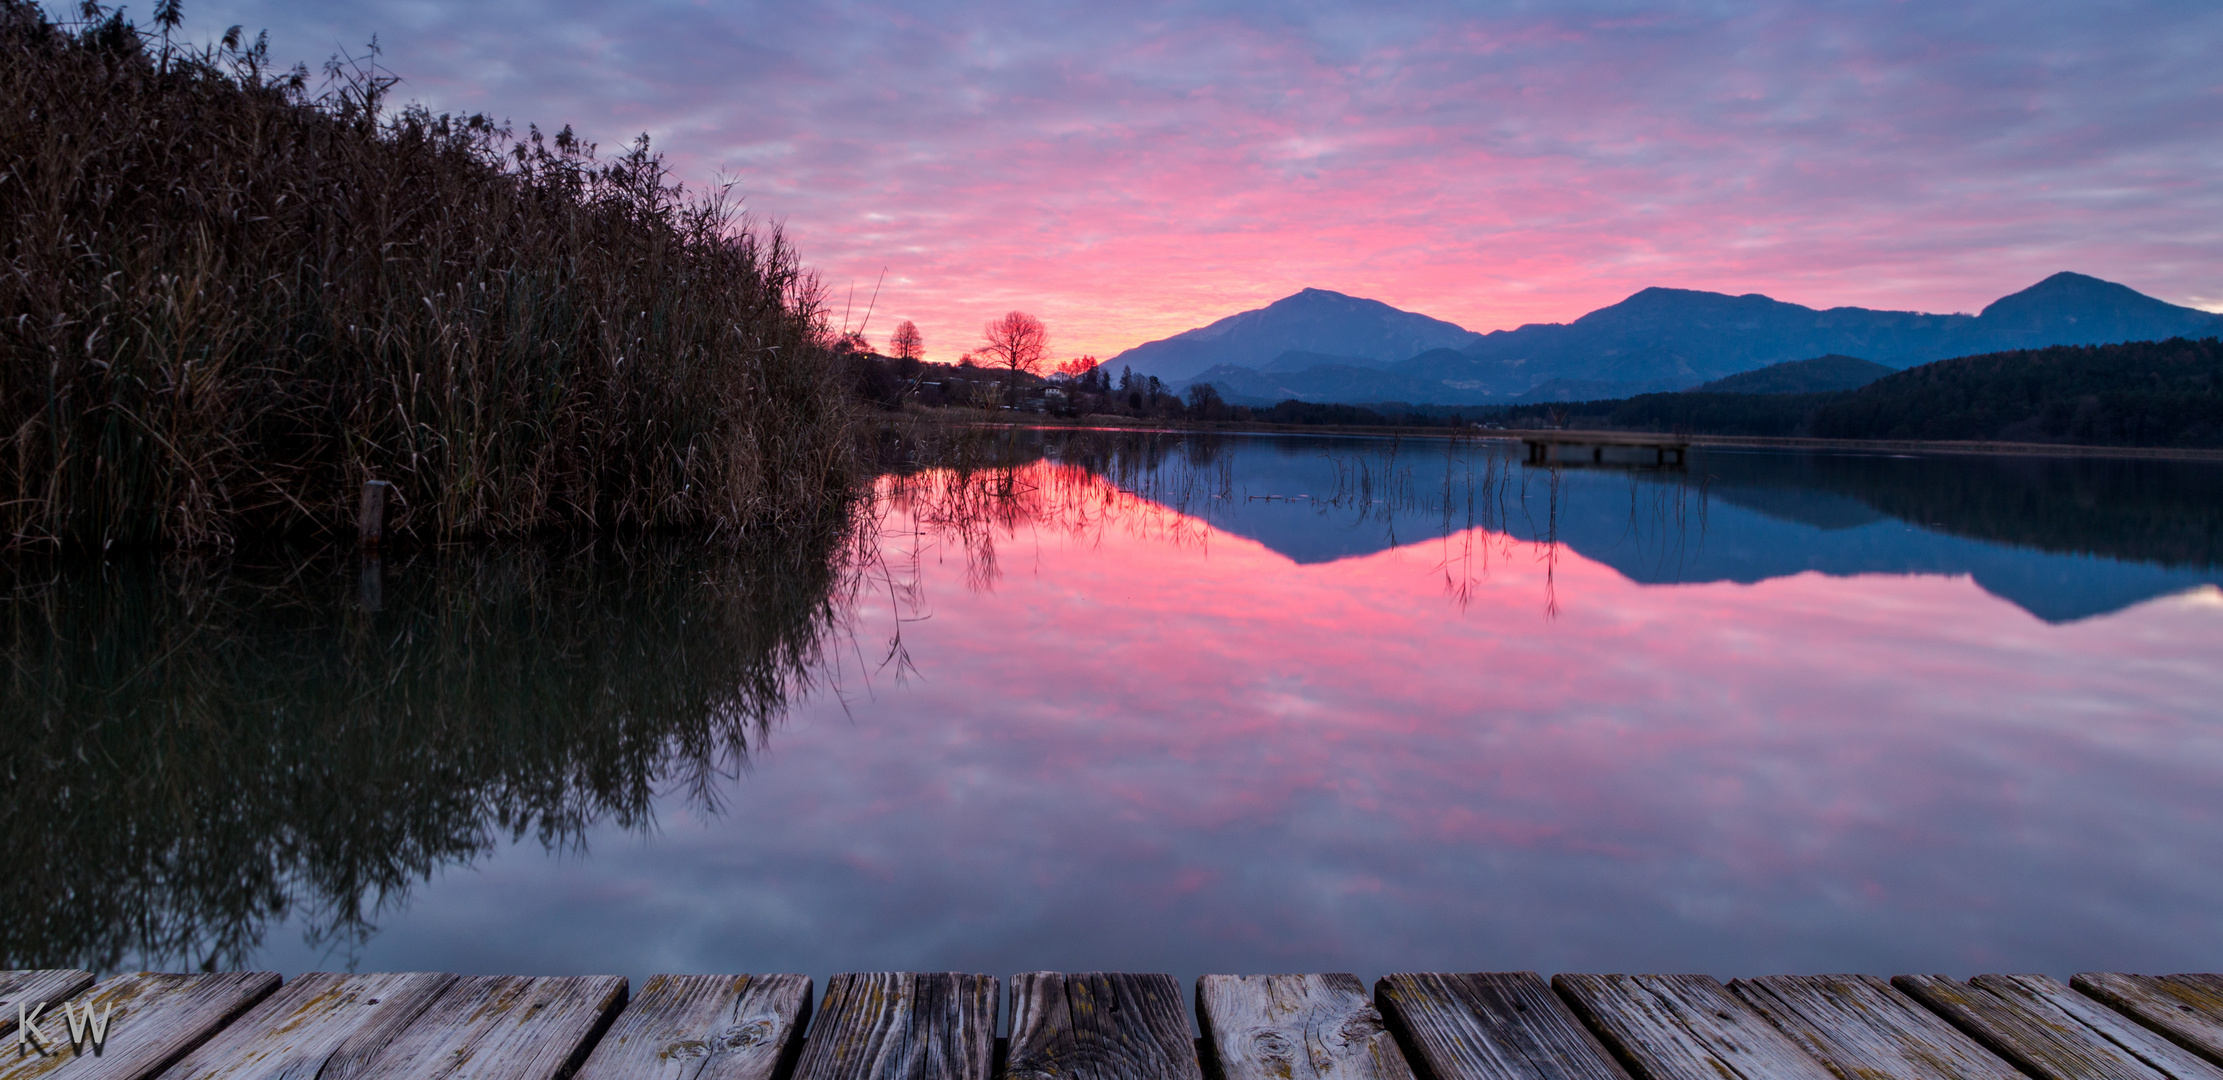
x: 2062, y: 538
x: 195, y: 749
x: 1334, y: 695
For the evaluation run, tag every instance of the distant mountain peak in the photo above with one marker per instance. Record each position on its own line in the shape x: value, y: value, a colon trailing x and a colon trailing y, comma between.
x: 1310, y: 295
x: 1329, y: 298
x: 1310, y: 320
x: 1656, y: 301
x: 2063, y: 278
x: 2066, y: 287
x: 2077, y: 309
x: 1659, y: 337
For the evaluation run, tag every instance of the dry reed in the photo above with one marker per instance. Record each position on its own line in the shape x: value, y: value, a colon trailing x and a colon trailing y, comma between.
x: 227, y: 301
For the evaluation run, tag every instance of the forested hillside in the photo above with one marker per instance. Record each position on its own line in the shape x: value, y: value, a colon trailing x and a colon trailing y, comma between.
x: 2167, y: 393
x: 1818, y: 375
x: 2146, y: 393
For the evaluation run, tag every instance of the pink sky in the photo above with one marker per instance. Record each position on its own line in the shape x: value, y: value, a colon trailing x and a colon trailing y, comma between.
x: 1127, y: 171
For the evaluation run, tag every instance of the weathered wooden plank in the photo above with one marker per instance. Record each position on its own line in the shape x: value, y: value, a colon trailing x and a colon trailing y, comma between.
x: 705, y: 1027
x: 1096, y: 1025
x: 2186, y: 1008
x: 1686, y: 1027
x: 501, y: 1027
x: 2143, y: 1042
x: 2039, y: 1025
x: 899, y: 1025
x: 1864, y: 1030
x: 153, y: 1020
x: 1296, y: 1027
x: 320, y: 1026
x: 1496, y: 1025
x: 33, y: 989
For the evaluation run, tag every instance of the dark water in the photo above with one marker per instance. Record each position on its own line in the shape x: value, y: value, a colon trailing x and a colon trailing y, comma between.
x: 1166, y: 704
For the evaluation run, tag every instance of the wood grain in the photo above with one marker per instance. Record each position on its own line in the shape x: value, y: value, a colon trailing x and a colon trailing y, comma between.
x: 1864, y: 1030
x: 2186, y: 1008
x: 2141, y: 1041
x: 157, y: 1019
x: 1686, y: 1027
x: 1096, y: 1025
x: 320, y: 1026
x: 896, y: 1025
x: 2043, y: 1028
x: 705, y: 1027
x: 1490, y: 1026
x: 501, y: 1027
x: 1295, y: 1027
x: 32, y: 988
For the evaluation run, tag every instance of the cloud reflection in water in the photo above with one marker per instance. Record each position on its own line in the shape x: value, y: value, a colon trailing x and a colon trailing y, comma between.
x: 1143, y: 743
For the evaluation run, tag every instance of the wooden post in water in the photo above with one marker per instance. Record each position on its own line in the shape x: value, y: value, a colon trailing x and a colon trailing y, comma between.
x: 373, y: 582
x: 370, y: 517
x: 370, y: 528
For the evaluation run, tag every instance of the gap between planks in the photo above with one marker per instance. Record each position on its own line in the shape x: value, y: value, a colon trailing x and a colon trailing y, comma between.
x: 1112, y: 1026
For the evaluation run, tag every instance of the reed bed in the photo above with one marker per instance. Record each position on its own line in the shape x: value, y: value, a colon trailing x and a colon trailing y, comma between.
x: 228, y: 300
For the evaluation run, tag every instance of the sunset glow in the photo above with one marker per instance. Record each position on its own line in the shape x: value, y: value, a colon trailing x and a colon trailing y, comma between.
x: 1126, y: 172
x: 1115, y: 716
x: 775, y: 527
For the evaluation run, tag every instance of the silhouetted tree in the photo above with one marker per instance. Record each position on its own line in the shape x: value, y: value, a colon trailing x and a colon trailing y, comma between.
x: 906, y: 343
x: 1017, y: 342
x: 1205, y: 402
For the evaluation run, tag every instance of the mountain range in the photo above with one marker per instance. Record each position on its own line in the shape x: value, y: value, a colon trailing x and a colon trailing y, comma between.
x: 1319, y: 345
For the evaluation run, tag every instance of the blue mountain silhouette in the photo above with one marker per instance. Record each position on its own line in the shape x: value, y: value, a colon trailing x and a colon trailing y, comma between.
x: 1658, y: 339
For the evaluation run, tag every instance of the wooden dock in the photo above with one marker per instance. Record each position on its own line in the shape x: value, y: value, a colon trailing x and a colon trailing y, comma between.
x: 1110, y: 1026
x: 1604, y: 448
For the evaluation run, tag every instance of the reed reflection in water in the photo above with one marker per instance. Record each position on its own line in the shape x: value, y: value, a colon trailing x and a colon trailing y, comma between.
x: 196, y: 749
x: 199, y: 752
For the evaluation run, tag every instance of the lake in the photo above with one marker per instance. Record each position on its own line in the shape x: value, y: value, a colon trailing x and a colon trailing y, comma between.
x: 1098, y: 701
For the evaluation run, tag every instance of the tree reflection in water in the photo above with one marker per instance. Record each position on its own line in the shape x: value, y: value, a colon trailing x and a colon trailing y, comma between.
x: 1471, y: 496
x: 196, y: 749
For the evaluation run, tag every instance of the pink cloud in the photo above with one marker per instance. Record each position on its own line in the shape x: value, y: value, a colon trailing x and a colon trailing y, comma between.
x: 1127, y: 172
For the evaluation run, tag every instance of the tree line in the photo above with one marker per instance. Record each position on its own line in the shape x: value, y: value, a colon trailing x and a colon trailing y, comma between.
x: 2140, y: 393
x: 2151, y: 393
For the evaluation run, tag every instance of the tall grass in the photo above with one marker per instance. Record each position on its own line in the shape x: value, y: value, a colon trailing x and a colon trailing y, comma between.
x: 227, y: 300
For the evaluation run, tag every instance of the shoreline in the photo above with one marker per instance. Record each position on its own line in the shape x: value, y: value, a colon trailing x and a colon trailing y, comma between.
x: 1761, y: 442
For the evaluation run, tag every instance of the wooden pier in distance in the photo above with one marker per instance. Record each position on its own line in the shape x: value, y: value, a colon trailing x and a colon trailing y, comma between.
x: 1594, y: 447
x: 1111, y: 1026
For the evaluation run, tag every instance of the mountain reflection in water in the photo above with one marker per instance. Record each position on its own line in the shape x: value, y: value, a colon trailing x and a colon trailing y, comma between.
x: 2063, y: 538
x: 1169, y: 703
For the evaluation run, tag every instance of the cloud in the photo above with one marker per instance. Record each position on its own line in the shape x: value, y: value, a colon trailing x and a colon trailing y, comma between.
x: 1127, y: 171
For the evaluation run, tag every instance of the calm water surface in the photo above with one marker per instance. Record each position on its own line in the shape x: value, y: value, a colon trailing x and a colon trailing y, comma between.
x: 1155, y: 704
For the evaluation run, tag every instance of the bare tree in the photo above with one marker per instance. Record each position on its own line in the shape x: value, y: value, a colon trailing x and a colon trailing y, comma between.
x: 906, y: 342
x: 1017, y: 341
